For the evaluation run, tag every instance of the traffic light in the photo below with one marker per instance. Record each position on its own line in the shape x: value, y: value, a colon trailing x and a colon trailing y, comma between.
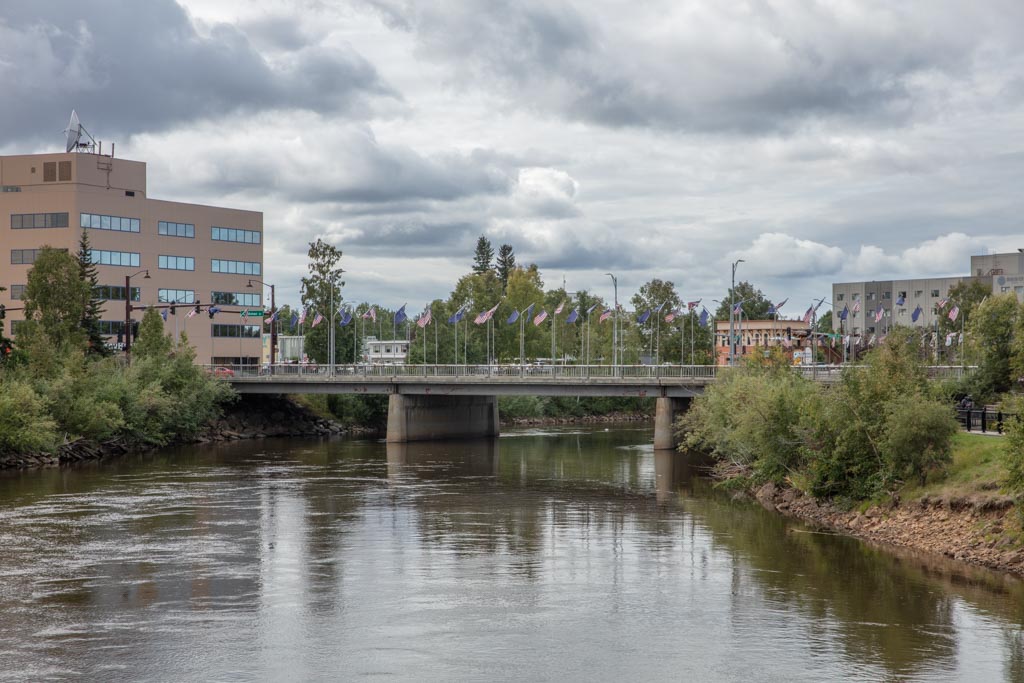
x: 198, y: 301
x: 171, y: 310
x: 3, y: 311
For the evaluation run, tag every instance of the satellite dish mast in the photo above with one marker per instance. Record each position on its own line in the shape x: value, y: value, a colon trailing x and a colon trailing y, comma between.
x: 74, y: 132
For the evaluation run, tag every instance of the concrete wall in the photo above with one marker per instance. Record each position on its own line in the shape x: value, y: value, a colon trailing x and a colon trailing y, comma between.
x: 427, y: 418
x: 666, y: 412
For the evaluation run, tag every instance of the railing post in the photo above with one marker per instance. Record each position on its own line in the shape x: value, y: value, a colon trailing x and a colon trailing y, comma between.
x: 984, y: 414
x: 999, y: 422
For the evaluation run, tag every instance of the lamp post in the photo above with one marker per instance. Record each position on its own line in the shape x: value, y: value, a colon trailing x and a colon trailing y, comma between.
x: 273, y: 325
x: 615, y: 321
x: 330, y: 337
x: 128, y: 311
x: 732, y: 294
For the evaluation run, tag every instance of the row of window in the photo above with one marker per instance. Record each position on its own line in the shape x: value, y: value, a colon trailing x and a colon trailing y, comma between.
x: 235, y: 235
x: 176, y: 296
x: 114, y: 258
x: 244, y: 331
x: 236, y: 299
x: 22, y: 221
x: 887, y: 295
x: 25, y: 256
x: 116, y: 293
x: 116, y: 223
x: 176, y: 262
x: 236, y: 267
x: 176, y: 229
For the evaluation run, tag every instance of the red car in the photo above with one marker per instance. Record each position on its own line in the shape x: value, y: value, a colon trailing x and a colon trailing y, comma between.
x: 223, y: 372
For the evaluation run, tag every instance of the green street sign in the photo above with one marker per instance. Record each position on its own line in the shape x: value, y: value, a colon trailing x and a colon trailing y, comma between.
x: 257, y: 313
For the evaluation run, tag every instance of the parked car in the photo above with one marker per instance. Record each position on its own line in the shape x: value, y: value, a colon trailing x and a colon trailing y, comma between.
x: 223, y: 372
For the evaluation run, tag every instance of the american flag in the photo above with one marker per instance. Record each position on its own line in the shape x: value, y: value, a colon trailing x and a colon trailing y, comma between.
x: 560, y: 307
x: 604, y: 316
x: 371, y: 314
x: 807, y: 315
x: 878, y: 314
x: 191, y: 313
x: 856, y: 307
x: 486, y: 315
x: 541, y: 317
x: 954, y: 312
x: 942, y: 302
x: 302, y: 317
x: 317, y: 319
x: 424, y: 319
x: 671, y: 316
x: 693, y: 304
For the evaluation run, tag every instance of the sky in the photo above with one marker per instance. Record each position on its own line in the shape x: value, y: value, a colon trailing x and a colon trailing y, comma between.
x: 820, y: 142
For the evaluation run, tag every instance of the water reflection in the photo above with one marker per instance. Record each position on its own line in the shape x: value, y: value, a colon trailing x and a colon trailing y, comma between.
x: 575, y: 551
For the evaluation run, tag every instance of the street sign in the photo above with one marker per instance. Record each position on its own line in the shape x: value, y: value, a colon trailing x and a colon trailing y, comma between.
x: 252, y: 313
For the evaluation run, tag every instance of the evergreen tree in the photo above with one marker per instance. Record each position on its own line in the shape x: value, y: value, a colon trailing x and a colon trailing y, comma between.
x: 93, y: 309
x: 319, y: 291
x: 484, y: 255
x: 152, y: 342
x: 506, y: 264
x: 755, y: 303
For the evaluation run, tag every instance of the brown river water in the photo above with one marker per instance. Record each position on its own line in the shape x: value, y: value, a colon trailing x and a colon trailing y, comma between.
x: 549, y: 554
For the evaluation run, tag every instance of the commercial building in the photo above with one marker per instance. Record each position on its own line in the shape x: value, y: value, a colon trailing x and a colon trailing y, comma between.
x: 386, y: 352
x: 758, y: 336
x: 191, y: 253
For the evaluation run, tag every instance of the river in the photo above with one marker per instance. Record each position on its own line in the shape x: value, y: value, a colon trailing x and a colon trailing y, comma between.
x: 550, y: 554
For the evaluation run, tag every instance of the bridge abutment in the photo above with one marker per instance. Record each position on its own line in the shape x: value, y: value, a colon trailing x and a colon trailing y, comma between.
x: 417, y: 417
x: 665, y: 413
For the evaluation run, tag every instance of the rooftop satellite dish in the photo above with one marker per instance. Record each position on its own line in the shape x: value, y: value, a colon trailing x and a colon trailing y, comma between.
x: 74, y: 133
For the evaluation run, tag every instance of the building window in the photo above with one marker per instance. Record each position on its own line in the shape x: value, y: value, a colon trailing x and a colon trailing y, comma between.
x: 855, y: 296
x: 935, y: 293
x: 236, y: 331
x: 886, y: 295
x: 235, y: 267
x: 116, y: 223
x: 110, y: 328
x: 840, y: 296
x: 176, y: 262
x: 176, y: 229
x: 235, y: 360
x: 114, y: 258
x: 903, y: 312
x: 23, y: 256
x: 176, y: 296
x: 24, y: 221
x: 1004, y: 290
x: 871, y: 296
x: 10, y: 188
x: 901, y: 295
x: 17, y: 292
x: 115, y: 293
x: 49, y: 171
x: 235, y: 235
x: 251, y: 299
x: 64, y: 171
x: 16, y: 326
x: 918, y: 293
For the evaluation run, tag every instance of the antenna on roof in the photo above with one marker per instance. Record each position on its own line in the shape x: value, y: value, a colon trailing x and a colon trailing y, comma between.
x: 74, y: 133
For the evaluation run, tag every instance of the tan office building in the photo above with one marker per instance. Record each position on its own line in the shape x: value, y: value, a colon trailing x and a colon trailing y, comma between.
x: 192, y: 253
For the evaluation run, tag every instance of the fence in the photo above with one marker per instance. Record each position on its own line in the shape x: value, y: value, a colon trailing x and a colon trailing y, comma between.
x: 983, y: 420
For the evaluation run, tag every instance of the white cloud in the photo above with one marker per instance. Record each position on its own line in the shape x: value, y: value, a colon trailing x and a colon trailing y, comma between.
x: 779, y: 255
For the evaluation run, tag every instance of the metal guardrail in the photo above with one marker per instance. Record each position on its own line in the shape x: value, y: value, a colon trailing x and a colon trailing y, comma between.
x: 365, y: 371
x: 984, y: 420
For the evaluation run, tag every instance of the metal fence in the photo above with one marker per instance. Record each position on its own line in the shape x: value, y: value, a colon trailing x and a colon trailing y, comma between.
x: 696, y: 373
x: 984, y: 420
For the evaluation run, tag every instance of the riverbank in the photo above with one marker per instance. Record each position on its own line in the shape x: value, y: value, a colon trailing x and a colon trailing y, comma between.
x: 960, y: 515
x: 251, y: 417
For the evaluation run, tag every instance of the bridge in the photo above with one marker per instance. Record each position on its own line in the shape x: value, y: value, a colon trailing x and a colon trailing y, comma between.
x: 432, y: 402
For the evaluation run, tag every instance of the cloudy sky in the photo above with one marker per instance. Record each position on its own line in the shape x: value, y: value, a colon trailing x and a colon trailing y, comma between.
x: 821, y: 141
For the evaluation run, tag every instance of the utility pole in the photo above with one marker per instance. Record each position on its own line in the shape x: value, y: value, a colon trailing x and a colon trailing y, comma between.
x: 732, y: 296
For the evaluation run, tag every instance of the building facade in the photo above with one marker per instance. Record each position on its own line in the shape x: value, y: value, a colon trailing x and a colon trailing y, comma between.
x: 758, y: 336
x: 1005, y: 270
x: 386, y: 351
x: 192, y: 254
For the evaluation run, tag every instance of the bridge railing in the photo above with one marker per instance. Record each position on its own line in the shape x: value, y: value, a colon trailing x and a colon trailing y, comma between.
x: 314, y: 372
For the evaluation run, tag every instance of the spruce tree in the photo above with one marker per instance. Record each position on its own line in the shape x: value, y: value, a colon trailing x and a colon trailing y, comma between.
x: 506, y: 264
x: 483, y: 256
x: 93, y: 309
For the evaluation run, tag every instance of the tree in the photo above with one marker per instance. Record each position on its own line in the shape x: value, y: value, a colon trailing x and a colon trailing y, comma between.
x: 56, y: 298
x: 483, y: 256
x: 966, y: 295
x: 506, y: 264
x: 659, y: 297
x: 319, y: 291
x: 990, y: 339
x: 152, y: 342
x: 92, y: 309
x: 755, y: 304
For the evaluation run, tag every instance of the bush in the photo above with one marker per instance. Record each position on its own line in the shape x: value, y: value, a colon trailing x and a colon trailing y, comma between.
x: 25, y: 425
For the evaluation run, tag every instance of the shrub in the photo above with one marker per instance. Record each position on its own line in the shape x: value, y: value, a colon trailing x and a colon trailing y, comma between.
x: 25, y: 425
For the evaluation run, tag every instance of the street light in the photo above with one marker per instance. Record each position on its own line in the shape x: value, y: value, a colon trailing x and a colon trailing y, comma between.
x: 615, y: 321
x: 330, y: 337
x: 273, y: 325
x: 732, y: 294
x: 128, y: 311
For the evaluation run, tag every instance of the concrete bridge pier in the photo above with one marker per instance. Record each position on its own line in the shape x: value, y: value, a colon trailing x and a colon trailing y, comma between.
x: 431, y: 417
x: 665, y: 413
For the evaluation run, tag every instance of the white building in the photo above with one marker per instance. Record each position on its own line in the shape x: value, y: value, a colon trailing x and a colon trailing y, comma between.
x: 387, y: 352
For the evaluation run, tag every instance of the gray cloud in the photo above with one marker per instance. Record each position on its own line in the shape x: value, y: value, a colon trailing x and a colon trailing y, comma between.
x: 755, y: 67
x: 144, y: 66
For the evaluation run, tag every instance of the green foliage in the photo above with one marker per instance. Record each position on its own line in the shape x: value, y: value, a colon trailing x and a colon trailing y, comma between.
x: 506, y: 264
x: 994, y: 339
x: 321, y: 293
x: 1013, y: 454
x: 152, y: 342
x: 25, y: 425
x: 56, y: 298
x: 483, y: 256
x: 755, y: 306
x: 882, y: 425
x: 363, y: 411
x: 93, y: 306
